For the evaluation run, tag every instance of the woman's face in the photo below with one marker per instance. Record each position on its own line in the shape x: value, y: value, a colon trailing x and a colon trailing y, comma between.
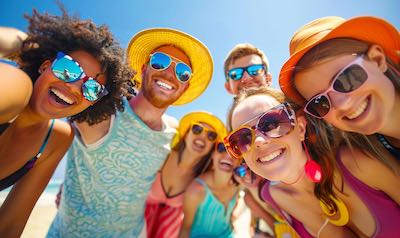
x: 364, y: 110
x: 199, y: 143
x: 221, y: 160
x: 54, y: 98
x: 276, y: 159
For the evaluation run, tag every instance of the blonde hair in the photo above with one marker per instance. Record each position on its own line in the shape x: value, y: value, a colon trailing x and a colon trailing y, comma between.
x: 241, y: 50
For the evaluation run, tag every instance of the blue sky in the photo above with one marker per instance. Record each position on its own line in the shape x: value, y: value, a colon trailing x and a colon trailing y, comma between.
x: 220, y: 24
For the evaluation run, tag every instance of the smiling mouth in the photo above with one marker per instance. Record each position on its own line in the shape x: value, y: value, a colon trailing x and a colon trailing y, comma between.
x: 164, y: 85
x: 199, y: 144
x: 60, y: 97
x: 359, y: 110
x: 271, y: 156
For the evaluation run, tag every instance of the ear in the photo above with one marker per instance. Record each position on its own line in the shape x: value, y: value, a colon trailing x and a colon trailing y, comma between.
x: 268, y: 79
x: 376, y: 54
x: 302, y: 125
x: 144, y: 68
x: 44, y: 66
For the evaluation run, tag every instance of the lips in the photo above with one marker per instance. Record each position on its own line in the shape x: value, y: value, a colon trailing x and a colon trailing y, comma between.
x: 361, y: 108
x: 271, y: 156
x: 61, y: 97
x: 164, y: 85
x: 226, y: 165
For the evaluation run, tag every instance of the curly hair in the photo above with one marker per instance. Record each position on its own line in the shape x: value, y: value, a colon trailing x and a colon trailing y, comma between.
x: 49, y: 34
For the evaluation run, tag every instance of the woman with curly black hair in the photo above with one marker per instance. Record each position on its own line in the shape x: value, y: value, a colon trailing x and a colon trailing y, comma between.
x: 76, y: 71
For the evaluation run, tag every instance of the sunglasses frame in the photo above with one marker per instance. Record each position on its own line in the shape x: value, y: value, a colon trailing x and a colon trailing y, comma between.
x: 217, y: 147
x: 82, y: 76
x: 171, y: 59
x: 286, y: 108
x: 357, y: 61
x: 263, y: 66
x: 204, y: 129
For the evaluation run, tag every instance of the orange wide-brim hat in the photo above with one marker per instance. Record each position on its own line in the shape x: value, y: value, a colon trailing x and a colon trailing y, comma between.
x: 143, y: 44
x: 369, y: 29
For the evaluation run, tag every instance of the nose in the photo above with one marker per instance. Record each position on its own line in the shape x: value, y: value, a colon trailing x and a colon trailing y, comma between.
x: 246, y: 77
x: 340, y: 101
x: 260, y: 139
x: 75, y: 87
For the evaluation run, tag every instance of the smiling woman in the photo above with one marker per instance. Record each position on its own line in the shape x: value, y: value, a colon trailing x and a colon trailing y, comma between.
x: 76, y: 71
x: 190, y: 157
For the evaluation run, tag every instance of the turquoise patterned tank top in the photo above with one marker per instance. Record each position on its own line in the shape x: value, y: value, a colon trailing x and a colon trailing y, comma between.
x: 106, y: 185
x: 212, y: 219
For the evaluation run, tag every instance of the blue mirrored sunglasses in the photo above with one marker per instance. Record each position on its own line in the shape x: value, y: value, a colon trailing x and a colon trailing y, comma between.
x: 160, y: 61
x: 253, y: 70
x: 65, y: 68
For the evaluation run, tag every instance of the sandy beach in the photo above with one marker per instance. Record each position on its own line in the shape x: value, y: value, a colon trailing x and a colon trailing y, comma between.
x: 41, y: 216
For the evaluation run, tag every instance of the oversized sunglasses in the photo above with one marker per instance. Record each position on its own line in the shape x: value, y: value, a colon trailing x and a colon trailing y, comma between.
x: 350, y: 78
x: 274, y: 123
x: 253, y: 70
x: 65, y: 68
x: 197, y: 129
x: 220, y: 147
x: 160, y: 61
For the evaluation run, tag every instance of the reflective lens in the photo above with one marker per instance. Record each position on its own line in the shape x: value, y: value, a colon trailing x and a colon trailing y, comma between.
x: 92, y: 90
x: 66, y: 69
x: 211, y: 135
x: 347, y: 80
x: 274, y: 123
x: 240, y: 171
x: 161, y: 61
x: 197, y: 129
x: 252, y: 70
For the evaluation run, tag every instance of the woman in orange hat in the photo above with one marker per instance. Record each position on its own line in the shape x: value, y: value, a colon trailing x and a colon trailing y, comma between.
x: 347, y: 72
x: 190, y: 157
x: 321, y: 189
x: 67, y: 68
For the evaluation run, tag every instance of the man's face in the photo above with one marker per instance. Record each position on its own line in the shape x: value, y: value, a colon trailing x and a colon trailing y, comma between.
x: 247, y: 81
x: 162, y: 88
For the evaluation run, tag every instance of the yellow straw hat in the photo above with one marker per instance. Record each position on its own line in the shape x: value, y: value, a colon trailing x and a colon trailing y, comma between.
x: 143, y: 43
x: 199, y: 116
x: 366, y: 28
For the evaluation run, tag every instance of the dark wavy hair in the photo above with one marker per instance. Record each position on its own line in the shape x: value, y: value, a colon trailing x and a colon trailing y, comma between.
x: 49, y: 34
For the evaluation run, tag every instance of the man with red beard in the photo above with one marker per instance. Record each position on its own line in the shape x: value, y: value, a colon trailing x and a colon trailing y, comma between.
x: 112, y: 165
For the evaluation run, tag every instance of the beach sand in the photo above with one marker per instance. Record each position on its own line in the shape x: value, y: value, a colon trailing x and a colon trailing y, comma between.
x: 41, y: 217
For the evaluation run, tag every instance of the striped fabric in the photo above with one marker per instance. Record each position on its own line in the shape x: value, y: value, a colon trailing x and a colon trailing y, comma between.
x: 163, y: 221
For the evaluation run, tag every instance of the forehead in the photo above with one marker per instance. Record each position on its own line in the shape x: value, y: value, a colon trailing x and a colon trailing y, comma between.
x: 251, y: 107
x: 245, y: 61
x: 174, y: 52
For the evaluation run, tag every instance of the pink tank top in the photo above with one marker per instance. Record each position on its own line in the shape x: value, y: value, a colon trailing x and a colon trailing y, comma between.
x: 383, y: 208
x: 157, y: 194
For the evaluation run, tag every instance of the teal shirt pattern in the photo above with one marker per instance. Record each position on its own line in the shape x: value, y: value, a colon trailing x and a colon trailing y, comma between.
x: 106, y: 185
x: 212, y: 219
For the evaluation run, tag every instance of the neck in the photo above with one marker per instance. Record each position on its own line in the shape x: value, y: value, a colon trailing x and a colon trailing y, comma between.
x: 188, y: 160
x: 221, y: 179
x: 299, y: 180
x: 147, y: 112
x: 28, y: 118
x: 391, y: 130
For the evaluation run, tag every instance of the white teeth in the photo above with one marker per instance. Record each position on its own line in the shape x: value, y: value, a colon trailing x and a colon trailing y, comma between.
x: 223, y: 161
x: 271, y: 156
x: 164, y: 85
x: 359, y: 111
x: 199, y: 143
x: 62, y: 96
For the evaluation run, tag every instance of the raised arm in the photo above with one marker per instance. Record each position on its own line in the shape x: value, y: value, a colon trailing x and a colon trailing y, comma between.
x: 10, y: 40
x: 193, y: 196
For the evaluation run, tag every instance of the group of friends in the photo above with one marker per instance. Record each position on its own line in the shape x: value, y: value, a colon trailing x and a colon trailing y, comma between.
x: 318, y: 158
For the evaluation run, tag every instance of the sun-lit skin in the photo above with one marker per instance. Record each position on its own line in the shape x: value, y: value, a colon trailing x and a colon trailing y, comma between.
x: 247, y: 81
x: 44, y: 103
x: 371, y: 107
x: 222, y: 162
x: 162, y: 88
x: 199, y: 144
x: 289, y: 159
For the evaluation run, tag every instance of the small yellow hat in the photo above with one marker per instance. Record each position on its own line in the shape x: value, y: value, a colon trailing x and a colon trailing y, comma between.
x: 143, y: 43
x: 199, y: 116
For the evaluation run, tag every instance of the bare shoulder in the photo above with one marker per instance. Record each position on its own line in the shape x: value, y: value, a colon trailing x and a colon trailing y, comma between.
x: 170, y: 121
x: 61, y: 135
x: 366, y: 168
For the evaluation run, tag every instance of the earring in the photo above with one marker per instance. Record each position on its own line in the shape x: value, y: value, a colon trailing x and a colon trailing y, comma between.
x: 311, y: 168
